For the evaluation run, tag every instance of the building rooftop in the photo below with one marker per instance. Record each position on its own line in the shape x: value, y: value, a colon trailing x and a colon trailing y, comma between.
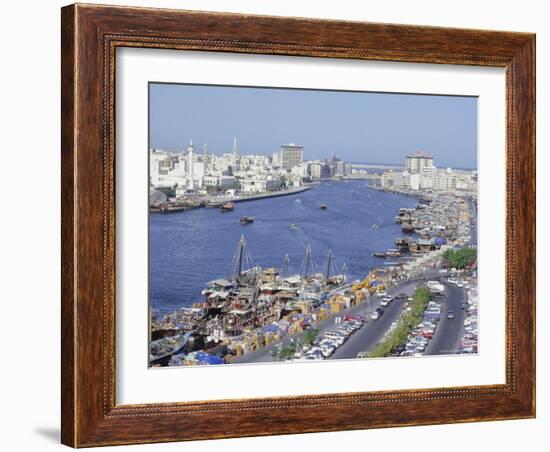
x: 420, y: 154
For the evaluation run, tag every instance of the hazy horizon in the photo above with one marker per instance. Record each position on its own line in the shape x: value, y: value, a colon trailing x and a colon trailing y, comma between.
x: 359, y: 127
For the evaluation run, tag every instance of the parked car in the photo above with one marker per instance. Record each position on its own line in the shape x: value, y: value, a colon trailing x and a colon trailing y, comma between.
x: 450, y: 315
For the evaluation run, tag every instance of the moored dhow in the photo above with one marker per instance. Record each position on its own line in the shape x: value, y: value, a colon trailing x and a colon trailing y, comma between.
x: 227, y: 206
x: 251, y: 301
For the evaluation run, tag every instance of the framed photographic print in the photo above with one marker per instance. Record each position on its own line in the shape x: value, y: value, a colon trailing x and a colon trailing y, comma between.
x: 281, y: 225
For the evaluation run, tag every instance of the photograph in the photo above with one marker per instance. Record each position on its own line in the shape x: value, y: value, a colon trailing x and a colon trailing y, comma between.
x: 299, y: 225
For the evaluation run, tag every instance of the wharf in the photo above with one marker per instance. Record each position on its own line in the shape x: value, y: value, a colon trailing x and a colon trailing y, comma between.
x: 214, y: 201
x: 265, y: 195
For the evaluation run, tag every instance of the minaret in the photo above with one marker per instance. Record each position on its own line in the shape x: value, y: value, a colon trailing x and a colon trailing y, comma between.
x: 205, y: 153
x: 190, y: 150
x: 235, y: 150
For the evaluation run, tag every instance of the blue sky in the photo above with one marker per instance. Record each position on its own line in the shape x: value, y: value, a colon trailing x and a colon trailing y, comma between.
x: 358, y: 127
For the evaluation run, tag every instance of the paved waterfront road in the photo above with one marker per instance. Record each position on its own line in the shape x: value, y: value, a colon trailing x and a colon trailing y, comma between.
x: 449, y: 331
x: 373, y: 331
x: 264, y: 353
x: 445, y: 340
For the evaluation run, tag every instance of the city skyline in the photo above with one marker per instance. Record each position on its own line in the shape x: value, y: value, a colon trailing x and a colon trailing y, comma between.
x: 265, y: 118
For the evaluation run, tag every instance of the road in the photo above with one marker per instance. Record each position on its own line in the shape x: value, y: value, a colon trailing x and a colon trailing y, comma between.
x: 445, y: 341
x: 366, y: 338
x: 448, y: 333
x: 264, y: 353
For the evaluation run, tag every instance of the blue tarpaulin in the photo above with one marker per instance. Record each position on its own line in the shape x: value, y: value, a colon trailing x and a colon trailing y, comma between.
x: 205, y: 358
x: 270, y: 329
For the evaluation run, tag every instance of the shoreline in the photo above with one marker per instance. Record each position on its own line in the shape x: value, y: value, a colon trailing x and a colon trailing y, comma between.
x: 276, y: 194
x: 217, y: 201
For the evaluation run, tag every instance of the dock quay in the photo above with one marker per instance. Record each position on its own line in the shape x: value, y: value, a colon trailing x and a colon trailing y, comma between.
x: 195, y: 202
x: 254, y: 307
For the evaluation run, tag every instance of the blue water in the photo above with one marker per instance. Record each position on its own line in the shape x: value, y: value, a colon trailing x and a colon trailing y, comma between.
x: 188, y: 249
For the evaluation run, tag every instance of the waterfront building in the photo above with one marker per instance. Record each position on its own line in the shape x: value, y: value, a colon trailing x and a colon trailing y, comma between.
x: 444, y: 180
x: 260, y: 184
x: 421, y: 174
x: 466, y: 182
x: 348, y: 169
x: 426, y: 182
x: 276, y: 160
x: 291, y: 155
x: 299, y: 171
x: 160, y: 165
x: 388, y: 179
x: 339, y: 168
x: 415, y: 163
x: 182, y: 191
x: 412, y: 181
x: 315, y: 169
x: 219, y: 181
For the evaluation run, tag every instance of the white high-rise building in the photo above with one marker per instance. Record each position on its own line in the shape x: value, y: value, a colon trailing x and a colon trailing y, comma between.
x: 339, y: 168
x: 415, y: 163
x: 276, y: 160
x: 291, y: 155
x: 315, y: 170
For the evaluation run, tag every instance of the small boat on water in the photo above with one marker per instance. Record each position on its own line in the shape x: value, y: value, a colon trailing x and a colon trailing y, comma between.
x: 247, y: 220
x: 374, y: 226
x: 407, y: 228
x: 402, y: 244
x: 227, y: 207
x: 323, y: 206
x: 379, y: 254
x: 293, y: 226
x: 393, y: 253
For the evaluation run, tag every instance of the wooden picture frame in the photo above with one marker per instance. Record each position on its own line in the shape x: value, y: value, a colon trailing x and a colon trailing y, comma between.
x: 90, y: 35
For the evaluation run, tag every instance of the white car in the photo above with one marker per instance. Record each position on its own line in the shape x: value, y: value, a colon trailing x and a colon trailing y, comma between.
x: 386, y: 301
x: 327, y: 351
x: 314, y: 356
